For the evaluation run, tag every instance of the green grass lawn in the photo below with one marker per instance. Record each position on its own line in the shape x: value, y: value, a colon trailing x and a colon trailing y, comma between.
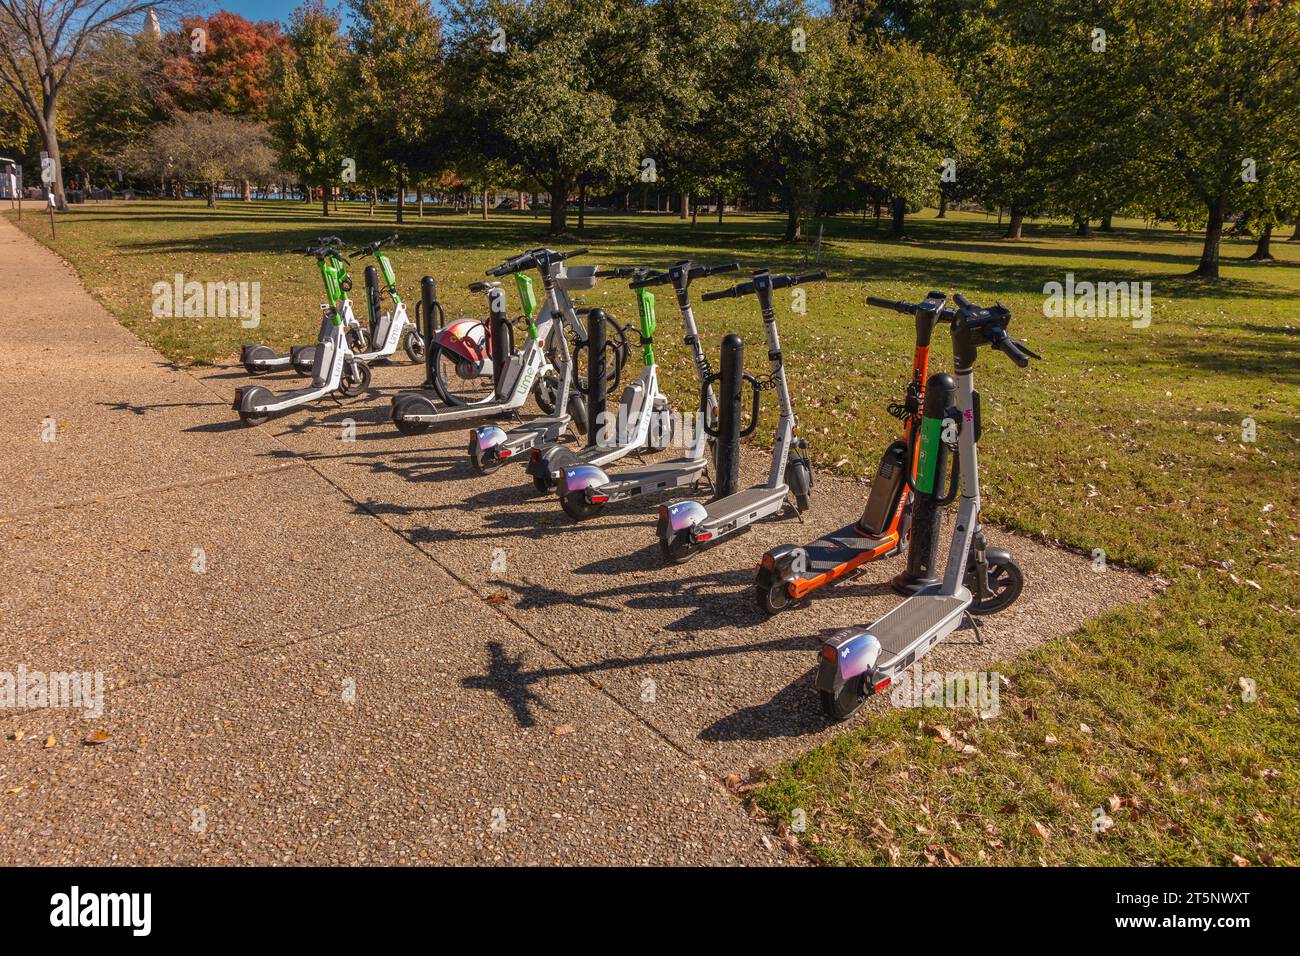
x: 1125, y: 440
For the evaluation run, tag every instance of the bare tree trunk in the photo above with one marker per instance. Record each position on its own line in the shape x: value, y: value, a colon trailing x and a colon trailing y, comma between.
x: 559, y: 206
x: 943, y: 207
x: 582, y: 202
x: 1262, y: 252
x: 50, y: 139
x: 793, y: 228
x: 1208, y: 268
x: 485, y: 204
x: 1015, y: 223
x: 1107, y: 225
x: 686, y: 207
x: 1295, y: 235
x: 246, y: 191
x: 419, y: 199
x: 1083, y: 227
x: 325, y: 201
x: 899, y: 215
x: 722, y: 200
x: 401, y: 199
x: 212, y: 195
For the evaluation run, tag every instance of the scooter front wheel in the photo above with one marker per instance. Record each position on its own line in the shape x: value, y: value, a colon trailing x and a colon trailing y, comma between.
x: 413, y: 345
x: 355, y: 380
x: 845, y: 697
x: 1006, y: 581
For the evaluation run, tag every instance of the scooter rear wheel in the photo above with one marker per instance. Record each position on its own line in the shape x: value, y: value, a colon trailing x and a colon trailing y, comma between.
x: 256, y: 352
x: 254, y: 418
x: 772, y: 598
x: 678, y: 549
x: 577, y: 507
x: 843, y: 701
x: 355, y: 380
x: 1006, y: 581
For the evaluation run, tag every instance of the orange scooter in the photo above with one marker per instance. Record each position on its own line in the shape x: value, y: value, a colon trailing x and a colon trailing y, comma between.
x: 789, y: 573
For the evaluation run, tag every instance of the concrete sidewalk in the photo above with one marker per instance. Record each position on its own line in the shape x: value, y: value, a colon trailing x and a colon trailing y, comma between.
x: 330, y: 651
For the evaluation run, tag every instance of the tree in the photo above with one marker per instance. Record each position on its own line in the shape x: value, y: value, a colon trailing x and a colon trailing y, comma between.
x: 308, y: 118
x: 395, y: 88
x: 41, y: 43
x: 228, y: 68
x: 1223, y: 84
x: 206, y: 149
x: 561, y: 88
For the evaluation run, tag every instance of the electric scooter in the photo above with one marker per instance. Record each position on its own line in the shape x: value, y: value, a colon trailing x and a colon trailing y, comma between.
x: 386, y: 330
x: 262, y: 358
x: 585, y: 489
x: 415, y: 412
x: 490, y: 446
x: 789, y: 573
x: 686, y: 526
x: 977, y: 579
x: 642, y: 420
x: 335, y: 369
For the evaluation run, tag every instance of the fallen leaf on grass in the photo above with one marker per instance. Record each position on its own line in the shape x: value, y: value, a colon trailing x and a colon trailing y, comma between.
x: 1042, y: 830
x: 1239, y: 860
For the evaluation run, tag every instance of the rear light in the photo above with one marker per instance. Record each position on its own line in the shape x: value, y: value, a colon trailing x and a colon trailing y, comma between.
x: 829, y: 653
x: 769, y: 562
x: 704, y: 537
x: 882, y: 685
x: 504, y: 453
x: 599, y: 499
x: 663, y: 512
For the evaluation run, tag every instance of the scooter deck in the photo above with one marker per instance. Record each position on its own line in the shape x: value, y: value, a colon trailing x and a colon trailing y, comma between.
x: 659, y: 476
x: 916, y: 625
x: 545, y: 429
x: 746, y: 506
x: 452, y: 413
x: 839, y: 553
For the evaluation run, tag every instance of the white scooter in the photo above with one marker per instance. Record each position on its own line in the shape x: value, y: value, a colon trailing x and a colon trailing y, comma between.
x: 977, y: 579
x: 335, y: 369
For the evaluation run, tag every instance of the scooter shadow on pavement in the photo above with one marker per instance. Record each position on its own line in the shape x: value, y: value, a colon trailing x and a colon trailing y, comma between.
x: 706, y: 611
x: 507, y: 677
x: 792, y: 712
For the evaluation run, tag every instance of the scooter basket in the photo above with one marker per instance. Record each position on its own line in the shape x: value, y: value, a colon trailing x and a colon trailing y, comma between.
x: 571, y: 278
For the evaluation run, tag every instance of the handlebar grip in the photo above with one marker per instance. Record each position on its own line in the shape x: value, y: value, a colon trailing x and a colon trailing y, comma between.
x: 719, y: 294
x: 576, y: 252
x: 715, y: 270
x: 809, y: 277
x: 905, y: 307
x: 657, y: 278
x: 961, y: 300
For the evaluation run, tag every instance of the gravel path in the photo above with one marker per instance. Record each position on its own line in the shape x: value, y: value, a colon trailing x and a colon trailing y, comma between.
x: 329, y: 651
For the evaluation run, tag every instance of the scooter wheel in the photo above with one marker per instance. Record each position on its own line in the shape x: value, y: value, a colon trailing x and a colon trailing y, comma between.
x: 772, y: 598
x: 803, y: 502
x: 413, y: 345
x: 577, y: 507
x: 542, y: 482
x: 254, y: 418
x: 252, y: 352
x: 355, y: 380
x: 483, y: 465
x: 678, y: 549
x: 843, y: 701
x: 1006, y: 581
x: 358, y: 339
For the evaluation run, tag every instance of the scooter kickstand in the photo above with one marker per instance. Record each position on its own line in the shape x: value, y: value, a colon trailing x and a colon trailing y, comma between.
x: 976, y: 626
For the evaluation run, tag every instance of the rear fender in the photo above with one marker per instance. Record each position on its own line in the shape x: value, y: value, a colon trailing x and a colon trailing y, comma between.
x: 855, y: 651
